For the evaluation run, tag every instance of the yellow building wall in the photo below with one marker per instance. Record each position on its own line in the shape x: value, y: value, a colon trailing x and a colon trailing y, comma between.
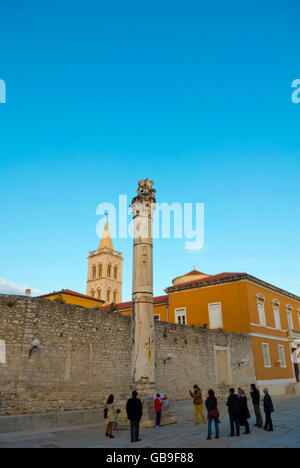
x: 233, y: 297
x: 275, y: 372
x: 75, y: 300
x: 160, y: 309
x: 125, y: 312
x: 253, y: 290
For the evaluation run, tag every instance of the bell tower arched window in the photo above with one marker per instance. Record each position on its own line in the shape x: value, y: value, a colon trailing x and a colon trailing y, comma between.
x: 100, y: 270
x: 109, y: 270
x: 115, y: 272
x: 108, y: 295
x: 99, y: 293
x: 115, y: 296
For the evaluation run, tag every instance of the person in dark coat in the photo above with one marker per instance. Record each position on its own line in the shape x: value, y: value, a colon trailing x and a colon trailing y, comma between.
x: 134, y: 411
x: 244, y: 413
x: 255, y: 395
x: 269, y: 409
x: 233, y: 410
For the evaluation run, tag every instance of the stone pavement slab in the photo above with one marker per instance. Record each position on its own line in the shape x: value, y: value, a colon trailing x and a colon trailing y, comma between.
x: 182, y: 435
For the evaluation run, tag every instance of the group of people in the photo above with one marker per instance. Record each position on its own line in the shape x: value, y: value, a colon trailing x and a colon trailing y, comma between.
x: 134, y: 411
x: 237, y: 404
x: 238, y: 410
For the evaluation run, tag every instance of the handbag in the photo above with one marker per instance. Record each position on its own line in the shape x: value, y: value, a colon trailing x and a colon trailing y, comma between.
x: 105, y: 413
x: 214, y: 415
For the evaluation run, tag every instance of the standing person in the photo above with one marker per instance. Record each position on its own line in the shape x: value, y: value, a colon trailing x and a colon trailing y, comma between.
x: 213, y: 414
x: 158, y: 403
x: 269, y: 409
x: 198, y: 404
x: 134, y: 411
x: 255, y: 395
x: 233, y: 410
x: 244, y: 413
x: 111, y: 415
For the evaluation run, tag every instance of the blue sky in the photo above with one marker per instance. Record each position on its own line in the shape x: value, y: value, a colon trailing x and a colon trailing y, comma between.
x: 194, y: 95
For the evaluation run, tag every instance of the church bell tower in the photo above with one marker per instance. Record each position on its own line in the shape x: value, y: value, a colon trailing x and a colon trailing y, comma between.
x: 105, y: 271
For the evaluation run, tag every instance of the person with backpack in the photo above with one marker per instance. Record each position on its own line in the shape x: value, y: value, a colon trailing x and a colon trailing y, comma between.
x: 110, y: 415
x: 233, y: 411
x: 134, y: 411
x: 213, y: 414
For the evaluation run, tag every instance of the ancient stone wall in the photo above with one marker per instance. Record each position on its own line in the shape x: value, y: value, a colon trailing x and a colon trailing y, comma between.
x: 85, y: 355
x: 194, y: 360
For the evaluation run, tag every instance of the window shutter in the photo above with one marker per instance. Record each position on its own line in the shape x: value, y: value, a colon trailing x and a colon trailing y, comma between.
x: 266, y: 355
x: 277, y: 318
x: 261, y: 313
x: 215, y: 316
x: 282, y: 356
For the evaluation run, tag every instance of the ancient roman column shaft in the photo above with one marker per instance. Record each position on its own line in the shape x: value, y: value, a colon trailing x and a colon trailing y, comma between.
x: 143, y: 348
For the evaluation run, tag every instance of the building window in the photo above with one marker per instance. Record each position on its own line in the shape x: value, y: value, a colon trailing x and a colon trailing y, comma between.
x: 115, y: 296
x: 261, y: 313
x: 93, y: 293
x: 299, y: 317
x: 109, y: 270
x: 115, y: 272
x: 108, y: 295
x: 99, y: 293
x: 290, y: 319
x: 215, y: 316
x: 100, y: 270
x: 266, y: 353
x: 157, y: 317
x: 94, y: 272
x: 180, y: 316
x: 281, y: 355
x: 277, y: 317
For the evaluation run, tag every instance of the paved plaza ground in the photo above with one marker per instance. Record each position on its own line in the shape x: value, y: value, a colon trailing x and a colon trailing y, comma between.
x: 182, y: 435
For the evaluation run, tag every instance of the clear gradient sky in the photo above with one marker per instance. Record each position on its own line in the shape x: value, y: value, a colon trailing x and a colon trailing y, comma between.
x: 195, y: 95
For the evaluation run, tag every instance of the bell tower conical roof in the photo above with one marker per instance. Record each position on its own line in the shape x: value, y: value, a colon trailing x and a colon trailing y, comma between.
x: 106, y: 241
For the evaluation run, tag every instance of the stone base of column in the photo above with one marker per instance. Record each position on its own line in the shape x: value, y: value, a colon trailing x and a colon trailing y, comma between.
x: 149, y: 414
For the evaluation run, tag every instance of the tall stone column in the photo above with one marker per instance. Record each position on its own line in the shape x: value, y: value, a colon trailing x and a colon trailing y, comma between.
x: 143, y: 344
x: 143, y: 336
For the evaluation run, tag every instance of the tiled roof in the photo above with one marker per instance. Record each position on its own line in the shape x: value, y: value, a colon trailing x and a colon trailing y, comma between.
x: 226, y: 278
x: 71, y: 293
x: 128, y: 305
x: 194, y: 272
x: 205, y: 280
